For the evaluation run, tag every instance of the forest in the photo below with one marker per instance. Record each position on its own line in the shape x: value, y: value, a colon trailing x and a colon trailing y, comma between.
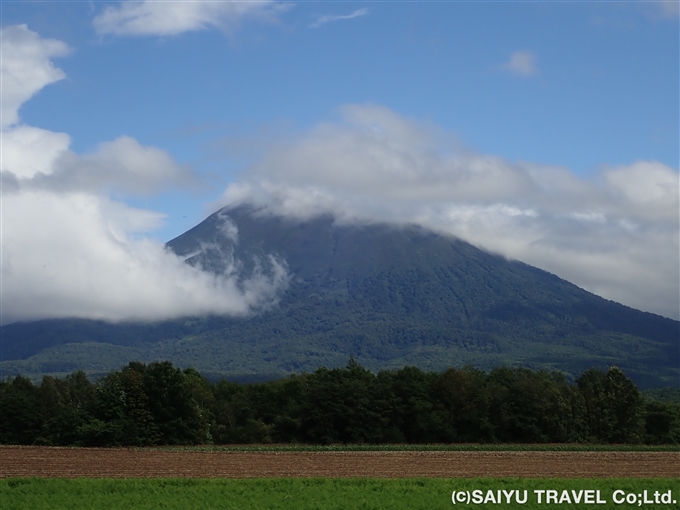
x: 160, y: 404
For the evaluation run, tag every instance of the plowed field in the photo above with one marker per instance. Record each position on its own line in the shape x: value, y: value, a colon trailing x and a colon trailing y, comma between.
x: 128, y: 463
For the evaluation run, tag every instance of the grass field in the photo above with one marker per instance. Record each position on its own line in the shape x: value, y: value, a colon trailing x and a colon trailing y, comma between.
x: 319, y: 493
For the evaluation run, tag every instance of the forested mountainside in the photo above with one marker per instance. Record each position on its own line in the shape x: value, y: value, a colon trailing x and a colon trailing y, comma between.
x: 388, y: 296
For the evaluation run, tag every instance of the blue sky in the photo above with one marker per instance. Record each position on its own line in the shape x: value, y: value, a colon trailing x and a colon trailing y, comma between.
x: 577, y: 98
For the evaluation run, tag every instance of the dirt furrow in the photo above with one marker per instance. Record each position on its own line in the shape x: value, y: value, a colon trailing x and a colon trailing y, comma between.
x: 128, y: 463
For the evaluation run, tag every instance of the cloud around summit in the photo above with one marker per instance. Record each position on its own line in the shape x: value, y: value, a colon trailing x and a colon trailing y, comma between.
x: 614, y: 233
x: 72, y: 247
x: 69, y: 248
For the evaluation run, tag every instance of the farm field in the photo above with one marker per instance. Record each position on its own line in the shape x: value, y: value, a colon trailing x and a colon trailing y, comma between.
x: 51, y: 462
x: 323, y: 478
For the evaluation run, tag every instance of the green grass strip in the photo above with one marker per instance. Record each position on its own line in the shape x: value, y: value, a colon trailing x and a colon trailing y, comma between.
x: 430, y: 448
x: 325, y: 494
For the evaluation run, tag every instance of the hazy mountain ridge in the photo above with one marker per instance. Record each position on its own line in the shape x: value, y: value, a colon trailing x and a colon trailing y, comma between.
x: 389, y: 296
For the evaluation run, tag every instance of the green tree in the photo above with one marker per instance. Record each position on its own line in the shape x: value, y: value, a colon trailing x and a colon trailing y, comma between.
x: 20, y: 420
x: 121, y: 414
x: 174, y: 411
x: 662, y: 423
x: 614, y: 406
x: 343, y: 405
x: 417, y: 413
x: 465, y: 404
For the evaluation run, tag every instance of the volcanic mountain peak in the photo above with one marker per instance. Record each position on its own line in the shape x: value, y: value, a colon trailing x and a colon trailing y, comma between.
x: 386, y: 295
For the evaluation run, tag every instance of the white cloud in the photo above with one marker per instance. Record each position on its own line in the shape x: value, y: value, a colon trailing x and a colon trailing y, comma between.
x: 150, y: 17
x: 71, y: 255
x: 69, y: 250
x: 121, y: 165
x: 615, y: 234
x: 28, y: 150
x: 521, y: 63
x: 668, y: 8
x: 40, y: 159
x: 327, y: 18
x: 26, y: 68
x: 649, y: 189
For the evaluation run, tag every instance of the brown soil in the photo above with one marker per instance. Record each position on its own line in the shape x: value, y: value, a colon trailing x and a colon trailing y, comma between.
x: 17, y: 461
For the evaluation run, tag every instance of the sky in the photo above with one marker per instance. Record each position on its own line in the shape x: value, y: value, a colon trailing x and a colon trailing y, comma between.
x: 547, y: 132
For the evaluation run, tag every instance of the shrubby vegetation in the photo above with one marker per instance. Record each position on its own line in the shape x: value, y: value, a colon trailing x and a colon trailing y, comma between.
x: 159, y: 404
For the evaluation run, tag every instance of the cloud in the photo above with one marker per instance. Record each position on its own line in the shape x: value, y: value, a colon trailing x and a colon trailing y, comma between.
x: 521, y: 63
x: 69, y: 249
x: 327, y: 18
x: 668, y: 8
x: 72, y: 256
x: 615, y: 233
x: 26, y: 68
x: 41, y: 159
x: 29, y: 151
x: 120, y: 165
x: 150, y: 17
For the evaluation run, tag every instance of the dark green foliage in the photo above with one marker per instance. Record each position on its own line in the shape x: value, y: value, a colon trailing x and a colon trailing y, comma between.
x: 47, y: 414
x: 666, y: 395
x: 662, y: 423
x: 20, y: 418
x: 72, y: 403
x: 158, y: 404
x: 533, y: 407
x: 174, y: 411
x: 388, y: 296
x: 614, y: 406
x: 416, y: 415
x: 465, y: 403
x: 343, y: 406
x: 123, y: 404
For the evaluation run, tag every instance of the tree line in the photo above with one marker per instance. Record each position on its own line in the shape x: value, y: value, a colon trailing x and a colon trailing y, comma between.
x: 159, y: 404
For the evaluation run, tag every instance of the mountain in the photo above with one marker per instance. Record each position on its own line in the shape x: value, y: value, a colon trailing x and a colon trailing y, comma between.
x: 386, y: 295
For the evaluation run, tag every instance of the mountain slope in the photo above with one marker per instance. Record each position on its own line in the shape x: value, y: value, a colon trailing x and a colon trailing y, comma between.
x: 388, y: 296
